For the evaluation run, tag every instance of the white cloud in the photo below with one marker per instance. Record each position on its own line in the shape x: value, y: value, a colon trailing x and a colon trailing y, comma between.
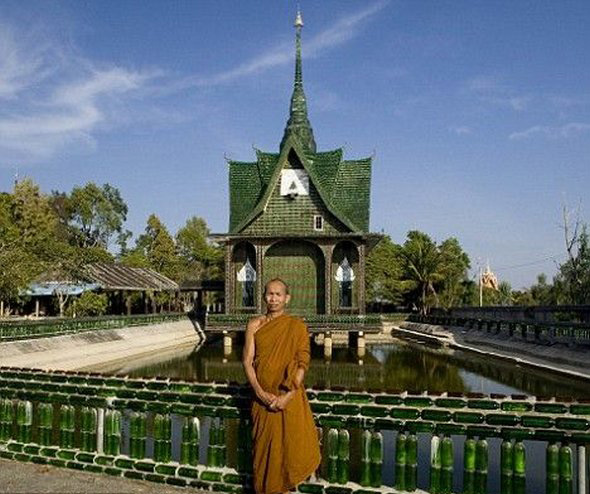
x: 566, y: 131
x: 341, y: 31
x: 492, y: 90
x: 461, y: 130
x: 24, y: 61
x: 52, y: 99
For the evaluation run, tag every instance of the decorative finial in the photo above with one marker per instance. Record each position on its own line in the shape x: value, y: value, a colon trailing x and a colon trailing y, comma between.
x: 298, y: 19
x: 298, y: 123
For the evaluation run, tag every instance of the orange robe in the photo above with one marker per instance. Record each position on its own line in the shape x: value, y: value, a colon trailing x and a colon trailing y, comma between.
x: 286, y: 446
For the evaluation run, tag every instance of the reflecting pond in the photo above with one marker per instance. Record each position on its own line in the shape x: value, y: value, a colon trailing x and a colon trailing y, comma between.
x: 399, y: 366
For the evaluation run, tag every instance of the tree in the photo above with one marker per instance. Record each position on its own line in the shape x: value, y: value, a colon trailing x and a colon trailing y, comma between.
x: 454, y: 265
x: 571, y: 285
x: 95, y: 214
x: 383, y: 276
x: 422, y: 267
x: 157, y: 248
x: 199, y: 257
x: 28, y: 240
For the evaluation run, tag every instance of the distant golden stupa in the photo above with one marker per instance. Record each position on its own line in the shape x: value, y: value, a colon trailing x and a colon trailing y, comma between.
x: 489, y: 279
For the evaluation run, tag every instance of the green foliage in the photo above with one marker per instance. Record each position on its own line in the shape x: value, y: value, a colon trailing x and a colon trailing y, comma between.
x: 155, y: 249
x: 95, y: 214
x: 421, y: 273
x: 88, y: 304
x: 575, y: 272
x: 384, y: 275
x: 200, y: 259
x: 27, y: 237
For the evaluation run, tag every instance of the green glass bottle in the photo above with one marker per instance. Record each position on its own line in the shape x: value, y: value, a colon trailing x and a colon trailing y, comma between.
x: 332, y: 447
x: 435, y: 465
x: 6, y: 419
x: 189, y: 447
x: 376, y: 459
x: 212, y: 456
x: 137, y: 435
x: 481, y: 467
x: 506, y: 467
x: 88, y: 429
x: 24, y: 421
x: 162, y: 442
x: 447, y: 458
x: 565, y: 470
x: 400, y: 461
x: 411, y: 475
x: 112, y: 432
x: 365, y: 479
x: 45, y: 413
x: 66, y: 426
x: 343, y: 456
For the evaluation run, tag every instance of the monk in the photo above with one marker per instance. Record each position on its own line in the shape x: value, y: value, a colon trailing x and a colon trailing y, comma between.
x: 276, y: 356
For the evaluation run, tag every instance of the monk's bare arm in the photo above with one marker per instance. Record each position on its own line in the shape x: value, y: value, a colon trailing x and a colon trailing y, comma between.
x: 248, y: 362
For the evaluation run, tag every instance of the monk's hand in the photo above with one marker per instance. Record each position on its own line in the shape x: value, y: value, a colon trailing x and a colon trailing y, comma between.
x: 281, y: 402
x: 266, y: 398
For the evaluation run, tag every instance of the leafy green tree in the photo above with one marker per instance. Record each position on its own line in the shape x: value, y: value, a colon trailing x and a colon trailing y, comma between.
x: 88, y: 304
x: 384, y: 273
x: 200, y: 258
x: 95, y: 214
x: 423, y: 269
x: 454, y: 265
x: 157, y: 247
x: 28, y: 241
x: 575, y: 272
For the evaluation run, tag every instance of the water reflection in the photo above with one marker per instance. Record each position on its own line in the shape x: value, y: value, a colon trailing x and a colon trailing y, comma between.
x: 400, y: 366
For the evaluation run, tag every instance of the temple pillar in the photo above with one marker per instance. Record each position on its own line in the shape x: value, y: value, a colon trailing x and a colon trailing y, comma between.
x: 328, y: 345
x: 229, y: 281
x: 328, y: 251
x: 361, y: 278
x: 260, y: 251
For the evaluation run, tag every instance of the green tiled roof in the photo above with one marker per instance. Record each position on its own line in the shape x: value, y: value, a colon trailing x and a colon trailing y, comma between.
x: 344, y: 186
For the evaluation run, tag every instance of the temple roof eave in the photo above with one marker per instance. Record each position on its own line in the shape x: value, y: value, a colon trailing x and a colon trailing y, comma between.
x: 371, y: 239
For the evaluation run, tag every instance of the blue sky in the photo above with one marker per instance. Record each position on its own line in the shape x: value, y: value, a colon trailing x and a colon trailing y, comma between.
x: 477, y: 113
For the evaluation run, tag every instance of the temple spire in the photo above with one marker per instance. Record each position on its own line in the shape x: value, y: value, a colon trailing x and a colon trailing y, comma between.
x: 298, y: 123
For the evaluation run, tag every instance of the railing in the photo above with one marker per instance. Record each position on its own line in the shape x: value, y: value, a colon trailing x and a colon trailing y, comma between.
x: 315, y: 322
x: 537, y: 332
x: 151, y: 429
x: 27, y: 329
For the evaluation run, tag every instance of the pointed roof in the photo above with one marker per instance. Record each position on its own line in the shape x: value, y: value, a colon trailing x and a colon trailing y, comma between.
x: 343, y: 186
x: 298, y: 123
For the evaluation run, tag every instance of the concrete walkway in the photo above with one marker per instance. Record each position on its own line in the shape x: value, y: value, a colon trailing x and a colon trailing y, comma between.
x: 29, y: 478
x: 556, y: 358
x: 90, y: 349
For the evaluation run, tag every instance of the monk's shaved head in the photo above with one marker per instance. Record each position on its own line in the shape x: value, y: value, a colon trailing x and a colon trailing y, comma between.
x: 277, y: 280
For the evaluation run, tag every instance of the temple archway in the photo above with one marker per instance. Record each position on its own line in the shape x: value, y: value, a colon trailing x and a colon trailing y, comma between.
x: 245, y: 272
x: 344, y: 275
x: 301, y: 265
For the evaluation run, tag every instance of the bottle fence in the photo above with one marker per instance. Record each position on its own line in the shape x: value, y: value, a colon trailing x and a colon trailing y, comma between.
x: 26, y: 330
x: 571, y: 333
x: 199, y: 434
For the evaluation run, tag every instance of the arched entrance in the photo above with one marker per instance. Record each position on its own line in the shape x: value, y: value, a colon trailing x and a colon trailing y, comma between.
x: 301, y: 264
x: 244, y: 277
x: 345, y: 282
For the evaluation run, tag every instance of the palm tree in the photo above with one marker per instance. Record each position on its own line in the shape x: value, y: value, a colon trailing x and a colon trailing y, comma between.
x: 423, y: 266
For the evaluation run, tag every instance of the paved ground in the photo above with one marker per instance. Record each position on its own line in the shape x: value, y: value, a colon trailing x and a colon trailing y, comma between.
x: 555, y: 358
x: 29, y: 478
